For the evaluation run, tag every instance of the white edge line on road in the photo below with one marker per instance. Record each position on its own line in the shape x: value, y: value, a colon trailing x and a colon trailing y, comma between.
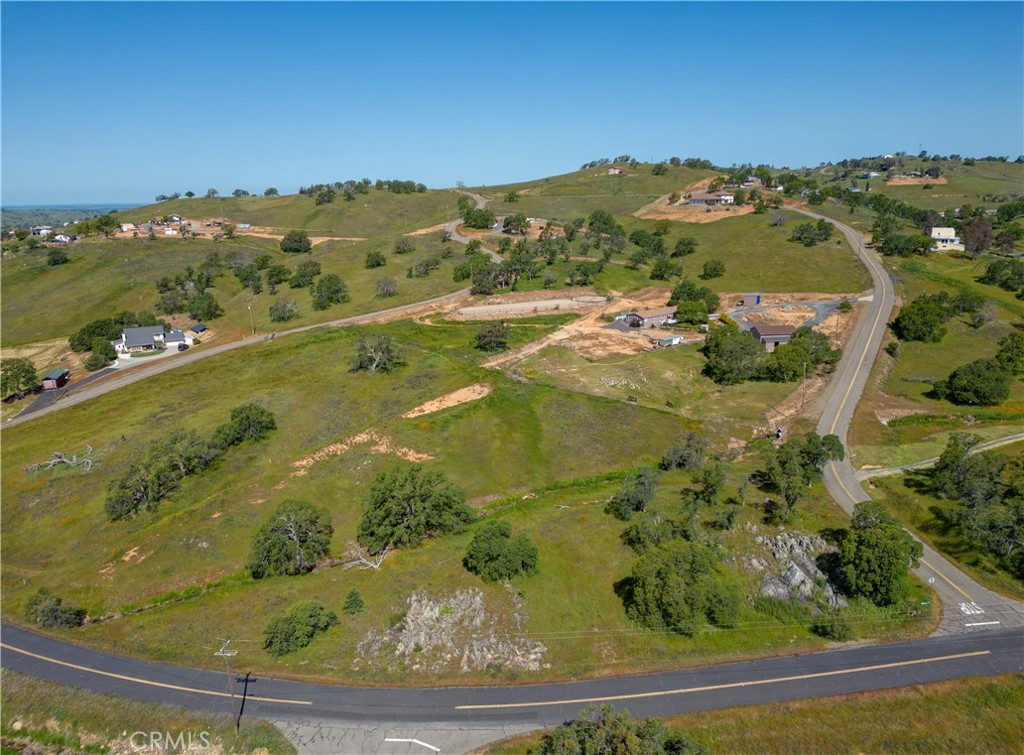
x: 732, y: 685
x: 163, y: 685
x: 981, y: 624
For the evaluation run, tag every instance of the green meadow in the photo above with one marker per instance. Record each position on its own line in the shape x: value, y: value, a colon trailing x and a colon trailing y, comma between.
x: 581, y: 192
x: 965, y: 715
x: 369, y: 215
x: 106, y: 276
x: 545, y: 458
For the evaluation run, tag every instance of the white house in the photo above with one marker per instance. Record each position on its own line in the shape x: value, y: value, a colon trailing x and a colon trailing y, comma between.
x: 712, y: 198
x: 946, y: 240
x: 613, y: 171
x: 150, y: 338
x: 128, y: 227
x: 42, y: 230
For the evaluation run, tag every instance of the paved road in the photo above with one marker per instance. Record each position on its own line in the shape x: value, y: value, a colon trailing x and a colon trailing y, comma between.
x: 333, y: 719
x: 966, y: 605
x: 869, y: 473
x: 134, y: 374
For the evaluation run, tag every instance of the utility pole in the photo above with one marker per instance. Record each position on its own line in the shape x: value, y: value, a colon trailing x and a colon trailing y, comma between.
x: 227, y: 655
x: 252, y: 324
x: 803, y: 389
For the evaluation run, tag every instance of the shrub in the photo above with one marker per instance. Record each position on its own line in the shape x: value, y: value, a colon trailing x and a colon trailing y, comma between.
x: 375, y: 259
x: 386, y: 288
x: 494, y: 554
x: 283, y: 310
x: 353, y: 603
x: 405, y: 246
x: 833, y: 625
x: 686, y: 453
x: 713, y: 269
x: 298, y: 627
x: 493, y: 337
x: 636, y: 492
x: 50, y: 612
x: 56, y: 257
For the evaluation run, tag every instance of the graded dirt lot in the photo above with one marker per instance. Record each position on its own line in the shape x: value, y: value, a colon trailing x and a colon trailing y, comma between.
x: 660, y: 209
x: 590, y: 336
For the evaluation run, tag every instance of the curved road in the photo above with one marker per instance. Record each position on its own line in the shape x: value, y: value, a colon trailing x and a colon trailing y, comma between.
x: 336, y: 719
x: 980, y: 634
x: 966, y: 605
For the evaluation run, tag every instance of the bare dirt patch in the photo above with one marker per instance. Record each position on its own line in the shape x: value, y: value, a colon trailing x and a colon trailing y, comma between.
x: 426, y: 231
x: 46, y: 355
x: 790, y: 315
x: 590, y: 336
x: 773, y: 300
x: 382, y: 444
x: 660, y: 209
x: 461, y: 396
x: 279, y: 233
x: 911, y: 181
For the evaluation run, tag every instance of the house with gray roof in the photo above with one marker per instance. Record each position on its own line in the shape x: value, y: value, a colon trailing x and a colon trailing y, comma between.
x: 149, y: 338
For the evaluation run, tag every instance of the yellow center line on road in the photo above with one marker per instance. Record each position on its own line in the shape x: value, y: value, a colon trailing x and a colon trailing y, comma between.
x: 872, y: 263
x: 5, y: 646
x: 948, y: 580
x: 733, y: 685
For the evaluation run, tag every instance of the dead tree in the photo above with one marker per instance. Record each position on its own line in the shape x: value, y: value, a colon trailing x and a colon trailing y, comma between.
x: 62, y: 458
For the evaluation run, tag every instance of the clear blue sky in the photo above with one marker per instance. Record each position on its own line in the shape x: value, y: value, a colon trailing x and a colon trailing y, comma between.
x: 120, y: 102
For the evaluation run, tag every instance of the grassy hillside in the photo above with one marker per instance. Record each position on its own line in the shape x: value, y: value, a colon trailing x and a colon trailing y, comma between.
x: 569, y: 195
x: 378, y: 212
x: 986, y: 183
x: 107, y: 276
x: 544, y: 458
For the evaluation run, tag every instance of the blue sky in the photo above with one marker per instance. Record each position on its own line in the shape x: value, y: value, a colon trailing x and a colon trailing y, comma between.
x: 123, y: 101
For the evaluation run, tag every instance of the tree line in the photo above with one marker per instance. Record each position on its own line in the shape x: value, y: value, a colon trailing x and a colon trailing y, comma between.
x: 158, y: 471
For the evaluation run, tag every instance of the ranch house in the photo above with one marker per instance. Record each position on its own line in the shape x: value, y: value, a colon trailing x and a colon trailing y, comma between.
x: 650, y: 318
x: 150, y: 338
x: 712, y: 198
x: 946, y: 240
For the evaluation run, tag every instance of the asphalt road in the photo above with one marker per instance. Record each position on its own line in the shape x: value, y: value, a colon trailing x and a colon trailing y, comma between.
x: 966, y: 605
x: 359, y: 719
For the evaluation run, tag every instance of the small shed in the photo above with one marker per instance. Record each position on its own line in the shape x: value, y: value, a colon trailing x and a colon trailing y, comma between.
x: 772, y: 335
x: 55, y: 379
x: 198, y: 328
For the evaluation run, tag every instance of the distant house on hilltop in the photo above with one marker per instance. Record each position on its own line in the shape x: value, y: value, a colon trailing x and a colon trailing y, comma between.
x: 42, y: 231
x: 614, y: 171
x: 946, y: 240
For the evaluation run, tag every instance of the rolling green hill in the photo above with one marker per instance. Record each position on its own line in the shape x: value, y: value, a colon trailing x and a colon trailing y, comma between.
x: 378, y: 212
